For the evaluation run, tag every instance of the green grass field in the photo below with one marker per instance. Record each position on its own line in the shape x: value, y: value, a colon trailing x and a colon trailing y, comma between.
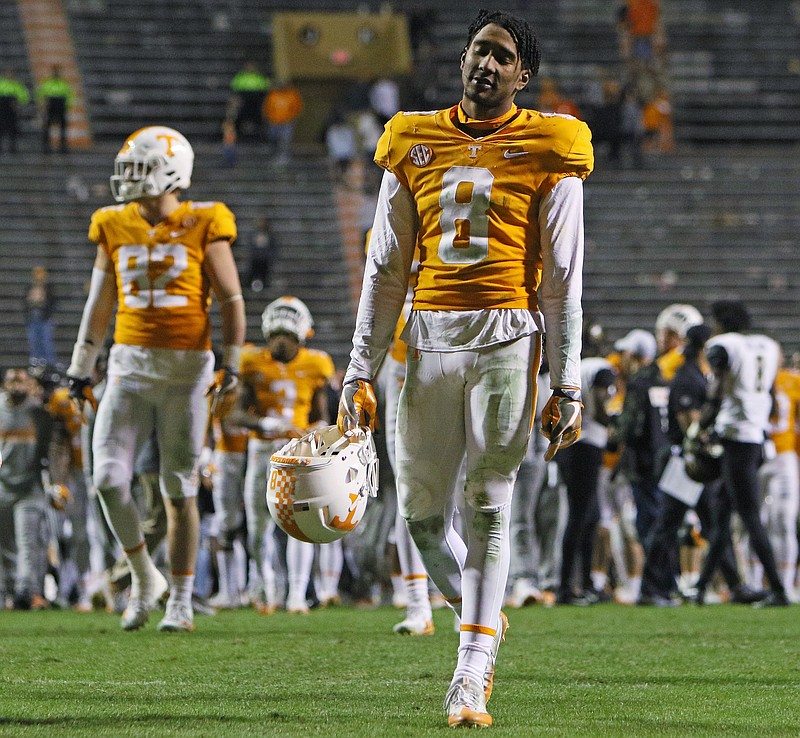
x: 604, y: 671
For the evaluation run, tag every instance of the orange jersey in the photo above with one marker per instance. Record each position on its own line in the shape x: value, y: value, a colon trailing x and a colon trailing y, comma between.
x: 164, y: 295
x: 785, y: 432
x: 285, y: 390
x: 61, y: 407
x: 477, y: 201
x: 670, y: 362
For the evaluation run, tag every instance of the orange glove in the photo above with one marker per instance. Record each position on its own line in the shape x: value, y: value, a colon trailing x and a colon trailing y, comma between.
x: 358, y: 406
x: 80, y: 392
x: 561, y: 420
x: 59, y: 496
x: 222, y: 392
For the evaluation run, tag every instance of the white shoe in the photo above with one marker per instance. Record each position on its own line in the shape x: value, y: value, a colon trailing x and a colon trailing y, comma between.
x: 499, y: 637
x: 297, y: 606
x: 416, y: 625
x: 223, y: 601
x: 144, y: 600
x: 524, y: 593
x: 179, y: 618
x: 465, y: 705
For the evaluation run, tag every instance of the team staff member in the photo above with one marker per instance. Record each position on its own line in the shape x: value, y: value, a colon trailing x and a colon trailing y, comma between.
x: 492, y: 196
x: 158, y: 260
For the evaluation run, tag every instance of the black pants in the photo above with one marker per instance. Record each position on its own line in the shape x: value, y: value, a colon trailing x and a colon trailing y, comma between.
x: 56, y: 115
x: 740, y: 463
x: 661, y: 564
x: 579, y: 465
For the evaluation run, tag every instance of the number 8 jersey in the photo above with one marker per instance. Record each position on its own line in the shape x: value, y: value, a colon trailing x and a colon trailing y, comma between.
x: 164, y: 295
x: 477, y: 201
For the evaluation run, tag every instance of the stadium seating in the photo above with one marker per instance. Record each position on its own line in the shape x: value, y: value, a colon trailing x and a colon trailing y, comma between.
x: 717, y: 218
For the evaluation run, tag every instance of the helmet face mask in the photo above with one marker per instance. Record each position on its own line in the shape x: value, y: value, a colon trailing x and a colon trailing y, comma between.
x: 287, y: 315
x: 319, y: 484
x: 152, y: 162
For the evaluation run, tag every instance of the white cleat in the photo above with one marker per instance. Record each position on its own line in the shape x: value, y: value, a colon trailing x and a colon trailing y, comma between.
x: 524, y: 593
x: 415, y: 625
x: 179, y: 618
x: 140, y: 603
x: 499, y: 637
x: 222, y: 601
x: 465, y: 705
x: 297, y: 606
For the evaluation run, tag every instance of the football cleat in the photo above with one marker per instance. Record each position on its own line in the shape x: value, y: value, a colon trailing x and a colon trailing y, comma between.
x: 221, y: 601
x: 465, y: 705
x: 524, y: 593
x: 297, y: 606
x: 415, y: 626
x: 499, y: 637
x: 179, y: 618
x: 143, y: 599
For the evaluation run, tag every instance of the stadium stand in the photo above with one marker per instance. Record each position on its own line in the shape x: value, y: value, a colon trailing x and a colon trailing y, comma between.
x: 718, y: 217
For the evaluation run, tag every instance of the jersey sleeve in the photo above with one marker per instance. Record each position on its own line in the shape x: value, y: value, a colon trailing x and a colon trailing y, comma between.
x: 386, y: 155
x: 222, y: 225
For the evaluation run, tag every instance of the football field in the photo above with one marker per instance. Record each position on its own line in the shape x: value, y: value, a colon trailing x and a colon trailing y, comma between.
x: 609, y: 670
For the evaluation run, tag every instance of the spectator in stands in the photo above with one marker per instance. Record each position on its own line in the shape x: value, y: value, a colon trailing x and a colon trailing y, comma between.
x: 641, y: 22
x: 54, y: 96
x: 657, y: 122
x: 249, y: 87
x: 384, y: 98
x: 230, y: 151
x: 552, y: 100
x: 282, y: 106
x: 340, y: 140
x: 13, y: 95
x: 40, y: 304
x: 632, y: 126
x: 262, y: 252
x: 605, y: 119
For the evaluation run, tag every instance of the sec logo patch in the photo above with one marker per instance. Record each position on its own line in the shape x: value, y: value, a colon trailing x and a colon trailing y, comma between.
x: 420, y: 155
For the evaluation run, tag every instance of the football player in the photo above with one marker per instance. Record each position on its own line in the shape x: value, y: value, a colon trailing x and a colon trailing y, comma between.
x: 780, y: 477
x: 492, y: 196
x: 745, y: 365
x: 671, y: 326
x: 283, y: 393
x: 158, y: 260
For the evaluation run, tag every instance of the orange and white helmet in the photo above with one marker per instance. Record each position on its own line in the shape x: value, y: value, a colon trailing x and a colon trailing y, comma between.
x: 153, y: 161
x: 319, y: 484
x: 287, y: 315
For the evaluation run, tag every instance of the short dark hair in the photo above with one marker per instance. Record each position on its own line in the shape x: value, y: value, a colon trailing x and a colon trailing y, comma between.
x: 521, y: 31
x: 732, y: 315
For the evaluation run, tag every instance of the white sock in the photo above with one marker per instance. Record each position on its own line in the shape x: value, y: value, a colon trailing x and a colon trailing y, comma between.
x: 181, y: 589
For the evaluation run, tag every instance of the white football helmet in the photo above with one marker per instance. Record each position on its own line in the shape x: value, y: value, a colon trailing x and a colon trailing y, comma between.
x: 319, y: 484
x: 287, y: 315
x: 678, y: 318
x: 153, y: 161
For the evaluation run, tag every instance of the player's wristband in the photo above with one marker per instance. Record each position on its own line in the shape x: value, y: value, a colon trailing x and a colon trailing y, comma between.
x: 570, y: 393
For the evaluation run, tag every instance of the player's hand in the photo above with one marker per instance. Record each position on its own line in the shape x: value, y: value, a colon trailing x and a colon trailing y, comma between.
x: 561, y: 420
x: 357, y: 406
x: 221, y: 390
x: 59, y: 496
x: 80, y: 392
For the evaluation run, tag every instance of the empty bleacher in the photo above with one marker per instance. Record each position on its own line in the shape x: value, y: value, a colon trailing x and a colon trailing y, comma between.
x: 717, y: 218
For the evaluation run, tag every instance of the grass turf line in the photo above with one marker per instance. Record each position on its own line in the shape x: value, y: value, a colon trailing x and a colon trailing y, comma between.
x: 603, y: 671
